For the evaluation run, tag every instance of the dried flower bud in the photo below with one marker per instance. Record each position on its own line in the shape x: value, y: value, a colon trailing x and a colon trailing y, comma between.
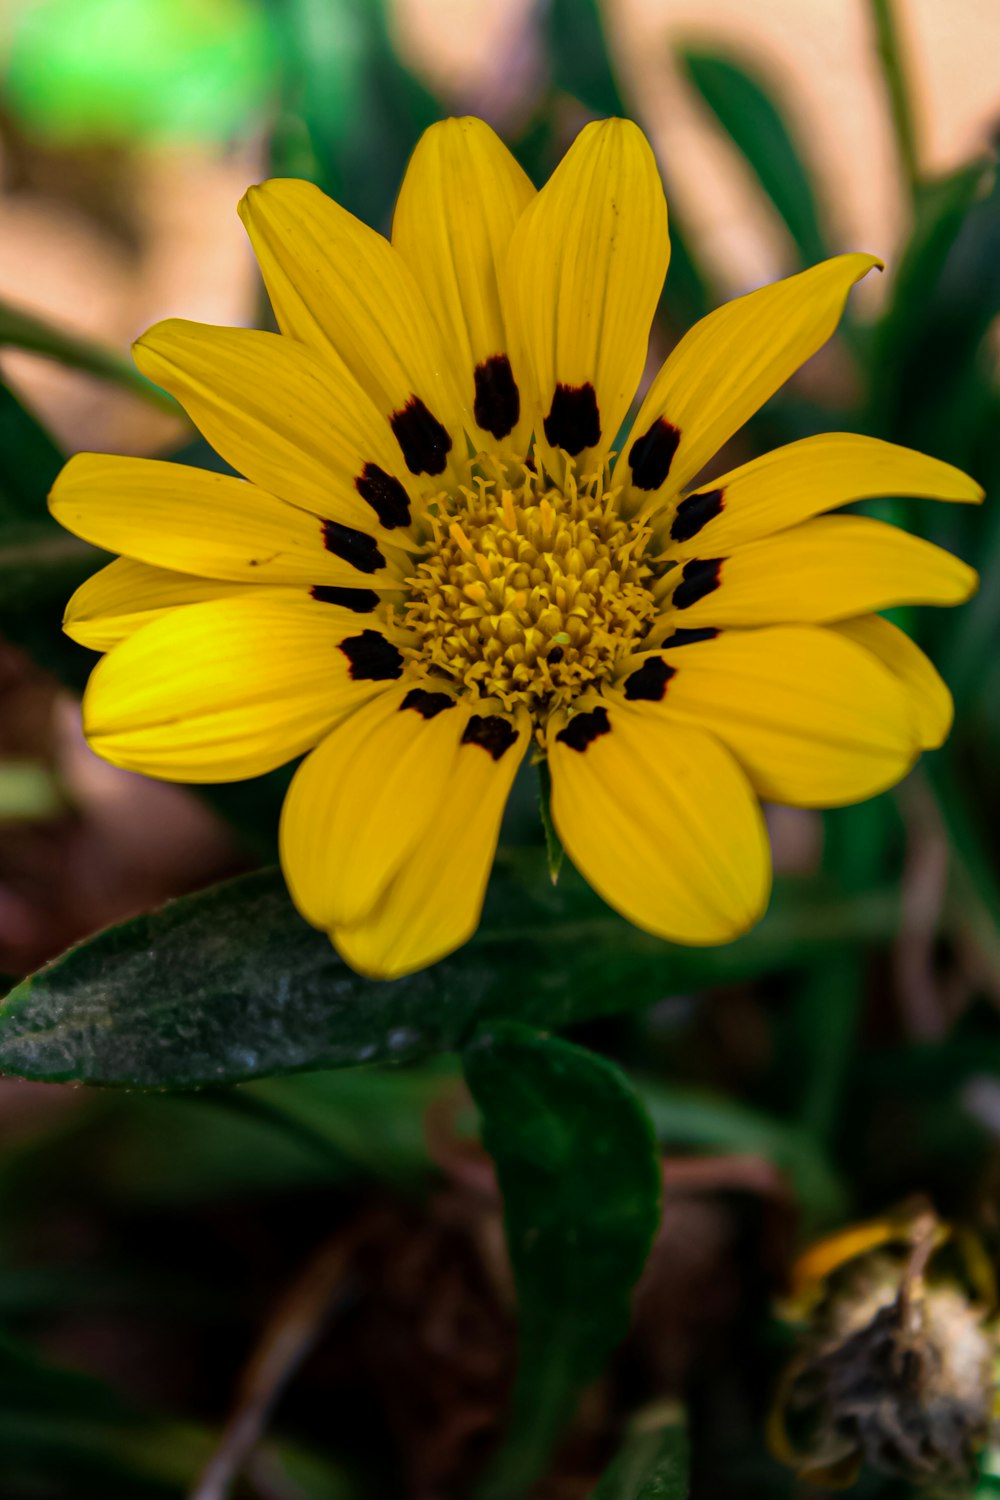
x: 895, y: 1364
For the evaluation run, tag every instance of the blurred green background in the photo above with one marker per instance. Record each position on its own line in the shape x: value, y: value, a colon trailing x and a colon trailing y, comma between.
x: 328, y: 1243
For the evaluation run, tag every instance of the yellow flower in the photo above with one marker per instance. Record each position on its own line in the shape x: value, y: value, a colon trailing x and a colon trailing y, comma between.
x: 435, y: 560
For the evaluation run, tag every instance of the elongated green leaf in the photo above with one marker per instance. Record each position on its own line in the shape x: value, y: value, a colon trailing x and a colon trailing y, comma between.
x: 20, y: 329
x: 703, y: 1121
x: 578, y: 55
x: 41, y: 565
x: 749, y: 116
x: 654, y: 1460
x: 894, y: 77
x: 581, y: 1181
x: 941, y: 209
x: 363, y: 110
x: 66, y: 1433
x: 31, y: 461
x: 231, y: 984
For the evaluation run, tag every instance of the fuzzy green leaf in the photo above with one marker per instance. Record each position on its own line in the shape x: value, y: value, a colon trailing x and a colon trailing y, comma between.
x: 653, y: 1462
x: 580, y: 1174
x: 231, y: 983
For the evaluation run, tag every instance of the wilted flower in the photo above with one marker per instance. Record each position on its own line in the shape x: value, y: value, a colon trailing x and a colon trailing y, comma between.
x: 436, y: 562
x: 895, y: 1367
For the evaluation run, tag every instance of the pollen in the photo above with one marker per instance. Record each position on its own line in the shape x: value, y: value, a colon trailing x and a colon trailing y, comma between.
x: 529, y: 592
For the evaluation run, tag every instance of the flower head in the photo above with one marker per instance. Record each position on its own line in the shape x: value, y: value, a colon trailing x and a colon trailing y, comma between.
x: 436, y: 563
x: 895, y: 1364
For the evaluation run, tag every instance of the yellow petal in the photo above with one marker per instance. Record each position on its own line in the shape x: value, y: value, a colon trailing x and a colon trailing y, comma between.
x: 123, y: 597
x: 661, y: 821
x: 362, y: 799
x: 584, y: 275
x: 233, y: 687
x: 827, y: 569
x: 273, y: 410
x: 172, y: 516
x: 337, y: 285
x: 461, y: 197
x: 433, y: 903
x: 930, y: 700
x: 813, y: 718
x: 723, y: 370
x: 790, y: 485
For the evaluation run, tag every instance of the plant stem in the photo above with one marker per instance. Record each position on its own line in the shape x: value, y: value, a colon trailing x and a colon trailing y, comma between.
x: 23, y: 330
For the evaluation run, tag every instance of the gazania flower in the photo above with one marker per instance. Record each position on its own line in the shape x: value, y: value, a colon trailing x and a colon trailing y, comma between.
x: 436, y: 563
x: 895, y: 1361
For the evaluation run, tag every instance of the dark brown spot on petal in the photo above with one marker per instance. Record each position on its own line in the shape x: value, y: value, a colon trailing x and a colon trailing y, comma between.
x: 352, y: 546
x: 649, y: 682
x: 492, y: 731
x: 427, y: 705
x: 651, y: 455
x: 689, y: 637
x: 385, y: 494
x: 584, y: 728
x: 372, y: 657
x: 498, y: 403
x: 698, y: 578
x: 694, y: 513
x: 425, y: 443
x: 573, y: 422
x: 555, y: 655
x: 361, y: 601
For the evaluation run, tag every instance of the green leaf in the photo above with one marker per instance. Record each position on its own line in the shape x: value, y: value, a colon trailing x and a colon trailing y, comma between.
x: 118, y: 70
x: 654, y: 1461
x: 897, y: 90
x: 20, y: 329
x: 577, y: 51
x: 747, y: 113
x: 703, y: 1121
x: 31, y: 461
x: 231, y: 984
x: 940, y: 212
x: 60, y: 1428
x: 363, y: 110
x: 580, y: 1174
x: 39, y: 564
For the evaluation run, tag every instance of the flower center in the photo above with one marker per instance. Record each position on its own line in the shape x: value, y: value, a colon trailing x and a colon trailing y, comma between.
x: 529, y: 592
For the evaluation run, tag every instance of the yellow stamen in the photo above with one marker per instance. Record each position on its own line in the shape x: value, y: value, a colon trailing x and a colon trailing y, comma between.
x: 531, y: 594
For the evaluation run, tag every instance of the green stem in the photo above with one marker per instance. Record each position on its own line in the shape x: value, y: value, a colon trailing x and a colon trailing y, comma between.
x: 894, y: 77
x: 23, y: 330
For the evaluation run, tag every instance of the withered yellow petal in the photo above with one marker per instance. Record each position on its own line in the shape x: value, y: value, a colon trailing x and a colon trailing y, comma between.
x: 928, y: 693
x: 583, y: 278
x: 120, y: 599
x: 723, y: 370
x: 662, y: 822
x: 794, y: 483
x: 461, y: 197
x: 433, y: 903
x: 233, y: 687
x: 827, y: 569
x: 813, y: 718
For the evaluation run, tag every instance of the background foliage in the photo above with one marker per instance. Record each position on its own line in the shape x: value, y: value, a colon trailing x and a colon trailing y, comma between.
x: 269, y: 1252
